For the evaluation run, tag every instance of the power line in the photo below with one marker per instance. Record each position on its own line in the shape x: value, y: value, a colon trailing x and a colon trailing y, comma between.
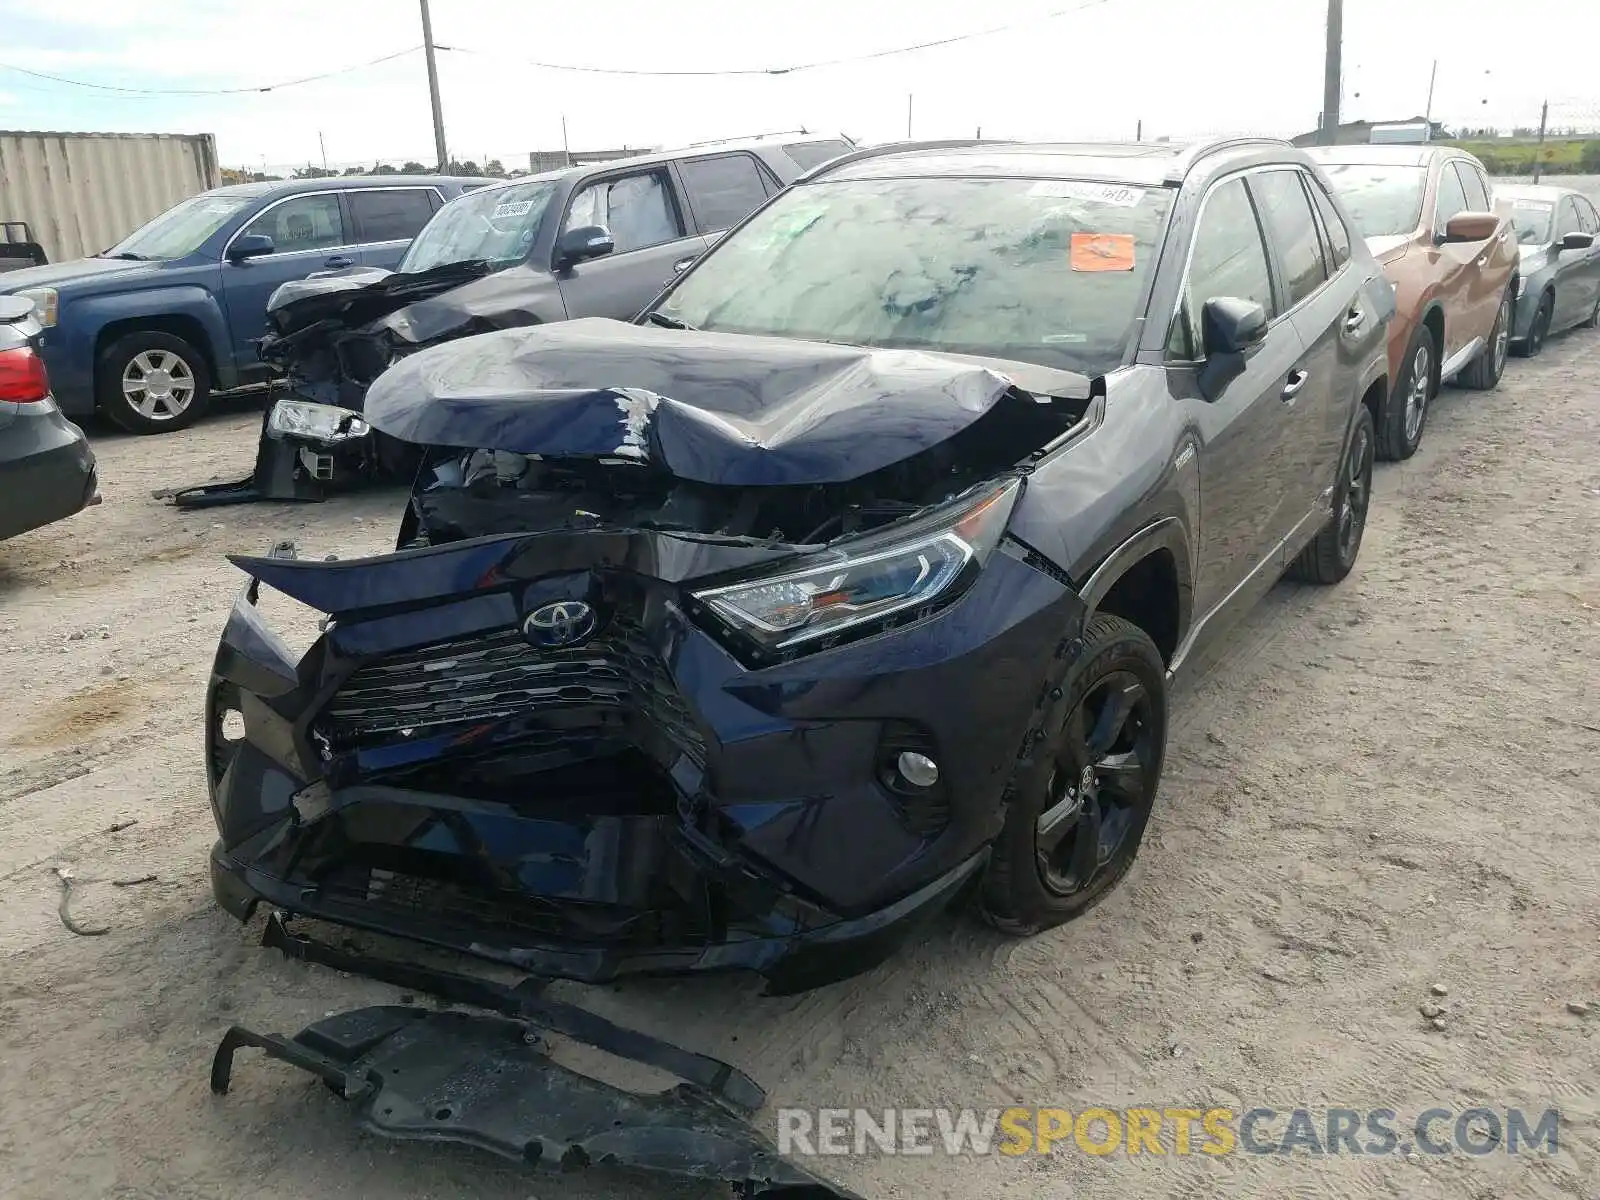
x: 233, y: 91
x: 795, y: 68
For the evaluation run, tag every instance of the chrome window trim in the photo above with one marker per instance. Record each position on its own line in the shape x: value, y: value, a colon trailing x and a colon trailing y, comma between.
x: 330, y: 191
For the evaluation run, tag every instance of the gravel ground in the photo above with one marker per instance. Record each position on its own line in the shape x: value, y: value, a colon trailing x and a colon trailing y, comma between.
x: 1371, y: 790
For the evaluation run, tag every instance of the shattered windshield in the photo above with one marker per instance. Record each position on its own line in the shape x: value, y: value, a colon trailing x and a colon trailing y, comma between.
x: 1041, y: 271
x: 1383, y: 201
x: 182, y: 229
x: 497, y: 225
x: 1530, y: 218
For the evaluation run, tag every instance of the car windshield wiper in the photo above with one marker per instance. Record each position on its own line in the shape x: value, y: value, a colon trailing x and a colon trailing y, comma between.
x: 129, y: 255
x: 666, y: 322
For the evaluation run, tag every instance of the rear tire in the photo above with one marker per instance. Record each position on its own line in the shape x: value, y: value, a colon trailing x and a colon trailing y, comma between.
x: 1484, y: 372
x: 1081, y: 793
x: 1332, y: 553
x: 152, y: 382
x: 1407, y: 414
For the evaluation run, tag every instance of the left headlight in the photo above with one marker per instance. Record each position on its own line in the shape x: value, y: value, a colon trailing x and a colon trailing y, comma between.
x: 870, y: 582
x: 321, y: 422
x: 45, y: 304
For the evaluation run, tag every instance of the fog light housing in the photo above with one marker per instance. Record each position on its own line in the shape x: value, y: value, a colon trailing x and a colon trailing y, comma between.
x: 917, y: 769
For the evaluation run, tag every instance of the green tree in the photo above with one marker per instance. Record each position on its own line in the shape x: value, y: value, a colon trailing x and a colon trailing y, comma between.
x: 1589, y: 157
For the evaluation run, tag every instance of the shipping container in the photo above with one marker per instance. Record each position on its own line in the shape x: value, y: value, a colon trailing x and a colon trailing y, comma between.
x: 80, y: 193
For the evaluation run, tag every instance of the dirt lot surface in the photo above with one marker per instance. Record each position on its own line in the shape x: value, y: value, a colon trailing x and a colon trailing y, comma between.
x: 1371, y: 790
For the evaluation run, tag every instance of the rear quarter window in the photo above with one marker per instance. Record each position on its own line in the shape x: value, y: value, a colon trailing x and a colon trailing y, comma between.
x: 812, y: 154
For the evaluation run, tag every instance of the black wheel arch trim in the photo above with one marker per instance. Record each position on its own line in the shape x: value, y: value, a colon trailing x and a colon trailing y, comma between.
x: 1165, y: 533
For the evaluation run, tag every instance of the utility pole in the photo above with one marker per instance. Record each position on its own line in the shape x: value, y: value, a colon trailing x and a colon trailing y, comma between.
x: 1331, y: 78
x: 1538, y: 155
x: 908, y: 116
x: 1427, y: 113
x: 1138, y: 131
x: 324, y: 146
x: 433, y: 90
x: 566, y: 149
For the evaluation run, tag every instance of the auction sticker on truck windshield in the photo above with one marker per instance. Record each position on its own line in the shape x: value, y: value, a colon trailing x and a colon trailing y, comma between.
x: 513, y: 208
x: 1117, y: 194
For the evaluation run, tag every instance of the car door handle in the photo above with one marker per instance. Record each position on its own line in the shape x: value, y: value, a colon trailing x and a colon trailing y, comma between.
x: 1297, y: 380
x: 1484, y: 261
x: 683, y: 264
x: 1354, y: 320
x: 339, y: 260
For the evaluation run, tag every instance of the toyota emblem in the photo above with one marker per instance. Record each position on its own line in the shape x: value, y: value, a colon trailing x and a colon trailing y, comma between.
x: 564, y: 623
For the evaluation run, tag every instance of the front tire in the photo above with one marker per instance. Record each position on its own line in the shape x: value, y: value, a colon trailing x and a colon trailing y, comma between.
x: 1332, y: 553
x: 1407, y: 414
x: 1083, y: 788
x: 152, y: 382
x: 1484, y: 372
x: 1539, y: 327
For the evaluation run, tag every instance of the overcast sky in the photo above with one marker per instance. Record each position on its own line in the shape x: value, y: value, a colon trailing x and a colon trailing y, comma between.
x: 1184, y: 69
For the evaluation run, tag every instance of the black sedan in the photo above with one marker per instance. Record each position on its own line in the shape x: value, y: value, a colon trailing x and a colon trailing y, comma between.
x: 47, y: 470
x: 1558, y: 272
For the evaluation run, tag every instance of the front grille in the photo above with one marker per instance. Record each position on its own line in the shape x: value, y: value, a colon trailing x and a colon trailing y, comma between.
x: 499, y: 676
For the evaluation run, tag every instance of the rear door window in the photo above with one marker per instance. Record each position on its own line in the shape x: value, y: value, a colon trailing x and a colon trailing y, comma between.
x: 1586, y: 215
x: 723, y: 190
x: 1293, y: 228
x: 389, y: 214
x: 1228, y: 259
x: 638, y: 210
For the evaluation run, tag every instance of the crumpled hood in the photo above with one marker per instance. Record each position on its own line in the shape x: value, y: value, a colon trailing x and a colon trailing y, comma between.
x: 353, y: 298
x: 720, y: 408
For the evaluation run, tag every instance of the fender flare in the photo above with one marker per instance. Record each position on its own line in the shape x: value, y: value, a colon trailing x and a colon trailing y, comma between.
x: 1165, y: 533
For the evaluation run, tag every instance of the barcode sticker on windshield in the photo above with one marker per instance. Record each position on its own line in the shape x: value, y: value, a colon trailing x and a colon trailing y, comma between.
x: 514, y: 208
x: 1115, y: 194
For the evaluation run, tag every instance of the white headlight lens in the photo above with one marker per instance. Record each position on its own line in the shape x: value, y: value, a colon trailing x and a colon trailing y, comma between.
x: 323, y: 422
x: 877, y: 581
x: 45, y: 302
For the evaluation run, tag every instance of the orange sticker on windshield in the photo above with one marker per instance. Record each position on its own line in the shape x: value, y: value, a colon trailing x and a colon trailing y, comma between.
x: 1102, y: 252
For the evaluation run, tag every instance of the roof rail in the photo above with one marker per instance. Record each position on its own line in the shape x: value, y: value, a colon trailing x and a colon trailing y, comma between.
x: 749, y: 137
x: 865, y: 152
x: 1194, y: 153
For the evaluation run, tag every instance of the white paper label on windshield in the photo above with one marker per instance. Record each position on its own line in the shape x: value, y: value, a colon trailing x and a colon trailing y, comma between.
x: 513, y: 208
x: 1116, y: 194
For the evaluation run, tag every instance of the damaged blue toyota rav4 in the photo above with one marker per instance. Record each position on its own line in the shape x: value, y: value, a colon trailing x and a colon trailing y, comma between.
x: 845, y: 581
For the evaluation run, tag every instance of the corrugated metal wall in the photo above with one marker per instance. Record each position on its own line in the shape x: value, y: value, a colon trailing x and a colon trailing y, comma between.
x: 83, y: 192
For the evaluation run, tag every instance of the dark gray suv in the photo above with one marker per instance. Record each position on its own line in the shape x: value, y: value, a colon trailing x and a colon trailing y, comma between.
x: 853, y: 571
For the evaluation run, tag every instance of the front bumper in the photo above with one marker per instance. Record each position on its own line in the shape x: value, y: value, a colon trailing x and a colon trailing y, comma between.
x: 46, y: 468
x: 642, y: 804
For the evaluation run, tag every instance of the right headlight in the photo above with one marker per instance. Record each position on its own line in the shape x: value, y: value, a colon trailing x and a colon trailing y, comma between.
x: 868, y: 583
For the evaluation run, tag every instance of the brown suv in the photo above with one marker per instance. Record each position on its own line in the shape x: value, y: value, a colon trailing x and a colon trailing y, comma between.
x: 1427, y: 213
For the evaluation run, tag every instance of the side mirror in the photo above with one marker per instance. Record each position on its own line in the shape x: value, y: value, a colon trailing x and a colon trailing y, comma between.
x: 1230, y: 325
x: 251, y: 245
x: 1469, y: 227
x: 1575, y: 241
x: 583, y: 243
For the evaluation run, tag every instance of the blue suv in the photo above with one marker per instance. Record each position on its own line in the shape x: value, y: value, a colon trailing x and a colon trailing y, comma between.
x: 147, y: 330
